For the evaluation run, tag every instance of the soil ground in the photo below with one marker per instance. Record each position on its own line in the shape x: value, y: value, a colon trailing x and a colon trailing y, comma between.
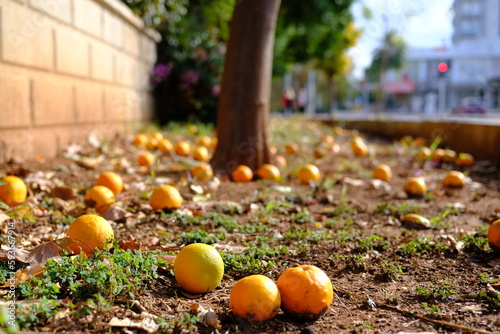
x: 388, y: 277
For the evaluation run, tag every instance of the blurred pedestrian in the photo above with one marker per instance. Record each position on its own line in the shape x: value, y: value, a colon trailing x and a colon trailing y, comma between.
x: 288, y: 100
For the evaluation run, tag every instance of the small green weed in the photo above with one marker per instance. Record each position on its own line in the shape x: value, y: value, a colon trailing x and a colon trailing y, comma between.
x: 298, y: 234
x: 121, y: 273
x: 442, y: 290
x: 396, y: 210
x: 201, y: 236
x: 372, y: 242
x: 421, y: 246
x: 254, y: 260
x: 302, y: 216
x: 433, y: 310
x: 388, y: 271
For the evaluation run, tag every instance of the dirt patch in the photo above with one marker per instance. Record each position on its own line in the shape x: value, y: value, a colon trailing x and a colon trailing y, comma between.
x: 388, y: 277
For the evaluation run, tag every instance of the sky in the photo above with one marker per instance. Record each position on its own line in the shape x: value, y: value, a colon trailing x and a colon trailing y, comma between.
x: 421, y: 23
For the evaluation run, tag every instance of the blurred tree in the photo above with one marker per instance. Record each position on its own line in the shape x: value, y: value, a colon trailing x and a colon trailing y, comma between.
x: 243, y: 113
x: 189, y: 57
x: 390, y: 55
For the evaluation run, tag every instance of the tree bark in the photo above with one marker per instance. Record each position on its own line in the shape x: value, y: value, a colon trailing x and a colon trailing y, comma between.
x: 243, y: 110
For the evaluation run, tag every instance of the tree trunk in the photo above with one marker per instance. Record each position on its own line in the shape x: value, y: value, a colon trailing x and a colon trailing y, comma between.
x: 243, y: 111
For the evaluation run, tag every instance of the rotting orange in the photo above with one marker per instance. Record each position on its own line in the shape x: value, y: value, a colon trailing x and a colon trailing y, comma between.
x: 90, y: 231
x: 358, y: 147
x: 454, y: 179
x: 205, y: 141
x: 182, y: 148
x: 308, y: 173
x: 255, y: 298
x: 382, y: 172
x: 201, y: 153
x: 13, y: 190
x: 306, y: 291
x: 242, y: 173
x: 140, y: 139
x: 145, y: 158
x: 494, y: 235
x: 111, y: 180
x: 415, y: 187
x: 99, y: 197
x: 269, y: 172
x: 198, y: 268
x: 165, y: 146
x: 165, y: 197
x: 202, y: 172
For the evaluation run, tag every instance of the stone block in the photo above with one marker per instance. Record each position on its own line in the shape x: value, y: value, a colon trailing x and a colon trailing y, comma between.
x: 88, y: 17
x: 58, y: 9
x: 147, y: 49
x: 120, y: 103
x: 89, y: 102
x: 27, y: 36
x: 14, y: 97
x: 131, y: 40
x: 16, y: 144
x: 53, y: 100
x: 72, y: 52
x: 102, y: 58
x: 112, y: 29
x: 126, y: 70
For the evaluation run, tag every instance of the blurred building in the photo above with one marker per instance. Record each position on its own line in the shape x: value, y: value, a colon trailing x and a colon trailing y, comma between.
x: 473, y: 61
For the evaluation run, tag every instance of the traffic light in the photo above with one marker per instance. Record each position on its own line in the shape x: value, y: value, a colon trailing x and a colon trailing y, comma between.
x: 443, y: 67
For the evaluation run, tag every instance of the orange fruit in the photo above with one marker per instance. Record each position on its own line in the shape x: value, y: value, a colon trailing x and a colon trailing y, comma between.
x: 165, y: 197
x: 415, y: 187
x: 152, y: 143
x: 359, y: 147
x: 280, y: 161
x: 140, y: 139
x: 292, y: 148
x: 306, y: 291
x: 111, y: 180
x: 193, y: 129
x: 13, y: 190
x: 202, y: 172
x: 308, y: 173
x: 157, y: 135
x: 494, y: 235
x: 464, y: 159
x: 201, y: 153
x: 419, y: 141
x: 255, y: 298
x: 454, y: 179
x: 449, y: 156
x: 205, y: 141
x: 242, y: 174
x: 269, y: 172
x: 145, y: 158
x: 437, y: 155
x: 327, y: 139
x: 182, y: 148
x: 165, y: 146
x: 382, y: 172
x: 198, y: 268
x: 93, y: 231
x: 423, y: 154
x: 273, y: 150
x: 99, y: 197
x: 214, y: 143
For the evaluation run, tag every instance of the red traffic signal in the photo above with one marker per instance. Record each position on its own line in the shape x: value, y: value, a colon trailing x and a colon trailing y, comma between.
x: 442, y: 67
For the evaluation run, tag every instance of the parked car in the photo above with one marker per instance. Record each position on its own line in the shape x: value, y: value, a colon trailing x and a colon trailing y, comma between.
x: 470, y: 105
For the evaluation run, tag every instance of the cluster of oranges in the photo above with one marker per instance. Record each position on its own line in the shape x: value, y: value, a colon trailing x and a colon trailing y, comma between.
x: 304, y: 291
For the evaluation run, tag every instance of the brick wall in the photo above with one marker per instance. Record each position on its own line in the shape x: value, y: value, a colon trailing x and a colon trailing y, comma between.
x: 68, y: 68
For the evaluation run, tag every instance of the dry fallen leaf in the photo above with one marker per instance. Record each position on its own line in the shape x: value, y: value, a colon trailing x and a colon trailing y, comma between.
x: 207, y: 317
x: 147, y: 323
